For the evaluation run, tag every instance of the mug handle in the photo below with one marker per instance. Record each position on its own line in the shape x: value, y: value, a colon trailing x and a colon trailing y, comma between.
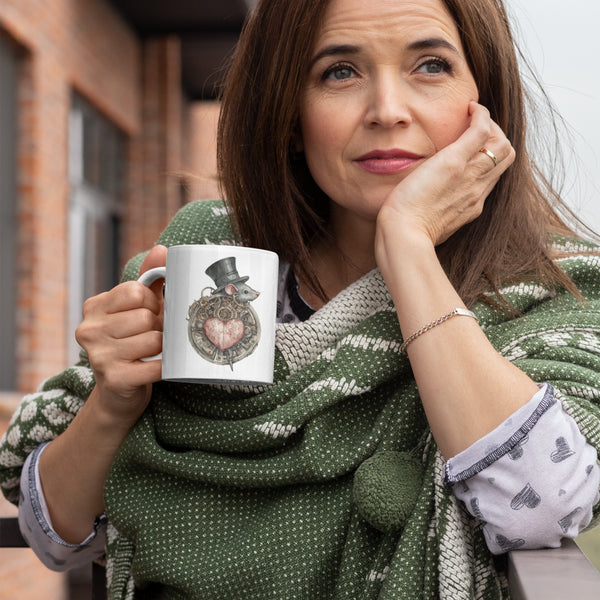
x: 148, y: 278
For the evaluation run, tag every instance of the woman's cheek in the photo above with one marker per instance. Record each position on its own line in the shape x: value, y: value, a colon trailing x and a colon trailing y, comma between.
x: 447, y: 113
x: 448, y: 130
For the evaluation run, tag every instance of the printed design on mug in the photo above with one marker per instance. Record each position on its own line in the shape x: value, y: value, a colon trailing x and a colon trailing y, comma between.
x: 222, y: 327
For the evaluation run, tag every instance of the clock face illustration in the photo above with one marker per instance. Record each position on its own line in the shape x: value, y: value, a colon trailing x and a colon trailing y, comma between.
x: 222, y: 327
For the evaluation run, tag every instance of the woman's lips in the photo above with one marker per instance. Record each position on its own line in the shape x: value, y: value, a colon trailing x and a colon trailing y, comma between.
x: 387, y: 162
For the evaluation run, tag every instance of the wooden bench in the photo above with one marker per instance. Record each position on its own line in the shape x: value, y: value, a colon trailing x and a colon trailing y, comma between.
x: 552, y: 574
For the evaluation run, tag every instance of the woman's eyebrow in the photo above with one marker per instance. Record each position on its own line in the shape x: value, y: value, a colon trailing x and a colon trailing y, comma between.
x: 335, y: 50
x: 430, y: 43
x: 425, y: 44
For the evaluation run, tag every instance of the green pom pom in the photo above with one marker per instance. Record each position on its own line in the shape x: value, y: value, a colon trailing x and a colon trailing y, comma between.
x: 386, y: 488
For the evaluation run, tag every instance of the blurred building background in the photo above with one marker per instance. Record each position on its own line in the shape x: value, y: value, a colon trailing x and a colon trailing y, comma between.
x: 107, y: 127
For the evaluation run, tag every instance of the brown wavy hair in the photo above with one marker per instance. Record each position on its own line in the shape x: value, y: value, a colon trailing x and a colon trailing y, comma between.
x: 274, y: 202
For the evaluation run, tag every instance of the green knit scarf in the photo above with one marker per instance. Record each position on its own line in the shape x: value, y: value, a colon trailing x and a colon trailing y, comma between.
x: 327, y: 484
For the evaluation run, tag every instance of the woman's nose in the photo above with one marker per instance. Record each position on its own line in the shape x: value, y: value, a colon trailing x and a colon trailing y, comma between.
x: 388, y: 103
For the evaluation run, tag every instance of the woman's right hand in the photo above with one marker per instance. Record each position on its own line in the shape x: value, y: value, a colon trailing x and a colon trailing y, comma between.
x: 119, y: 328
x: 449, y: 189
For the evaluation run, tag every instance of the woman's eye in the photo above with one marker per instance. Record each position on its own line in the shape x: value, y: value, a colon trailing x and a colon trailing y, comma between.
x: 339, y: 73
x: 434, y: 67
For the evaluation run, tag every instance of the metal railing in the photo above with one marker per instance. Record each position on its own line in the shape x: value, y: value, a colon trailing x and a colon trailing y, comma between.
x: 10, y: 537
x: 553, y: 574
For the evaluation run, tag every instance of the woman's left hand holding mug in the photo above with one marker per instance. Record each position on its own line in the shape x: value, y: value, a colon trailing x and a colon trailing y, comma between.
x: 119, y: 328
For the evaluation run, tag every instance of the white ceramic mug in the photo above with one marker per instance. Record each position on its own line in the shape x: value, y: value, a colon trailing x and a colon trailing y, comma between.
x: 219, y: 315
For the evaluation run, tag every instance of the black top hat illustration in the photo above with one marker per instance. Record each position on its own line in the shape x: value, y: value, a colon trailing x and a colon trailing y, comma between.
x: 223, y: 272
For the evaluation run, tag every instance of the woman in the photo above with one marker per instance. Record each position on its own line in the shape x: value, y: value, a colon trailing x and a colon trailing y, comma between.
x: 435, y: 351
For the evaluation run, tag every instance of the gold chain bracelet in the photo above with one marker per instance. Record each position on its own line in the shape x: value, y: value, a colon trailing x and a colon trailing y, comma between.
x: 463, y: 312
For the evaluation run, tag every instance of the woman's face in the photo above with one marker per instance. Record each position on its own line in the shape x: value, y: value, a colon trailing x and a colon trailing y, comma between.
x: 388, y: 86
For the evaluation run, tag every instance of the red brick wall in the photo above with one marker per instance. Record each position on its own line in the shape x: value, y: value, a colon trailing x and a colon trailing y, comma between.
x: 157, y: 151
x: 84, y: 45
x: 66, y: 45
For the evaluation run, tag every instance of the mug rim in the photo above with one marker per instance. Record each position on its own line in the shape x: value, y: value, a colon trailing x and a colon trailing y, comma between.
x: 247, y: 249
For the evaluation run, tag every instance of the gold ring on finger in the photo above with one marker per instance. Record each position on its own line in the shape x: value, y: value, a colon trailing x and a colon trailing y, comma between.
x: 490, y: 154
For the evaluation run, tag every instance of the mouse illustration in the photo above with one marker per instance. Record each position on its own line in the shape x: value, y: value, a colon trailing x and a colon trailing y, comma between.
x: 242, y: 292
x: 228, y: 281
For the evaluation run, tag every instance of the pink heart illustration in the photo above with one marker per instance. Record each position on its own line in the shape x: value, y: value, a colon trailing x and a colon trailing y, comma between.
x: 224, y: 334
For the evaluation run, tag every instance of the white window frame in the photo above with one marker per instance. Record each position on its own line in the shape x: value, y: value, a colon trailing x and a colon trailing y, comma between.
x: 90, y: 208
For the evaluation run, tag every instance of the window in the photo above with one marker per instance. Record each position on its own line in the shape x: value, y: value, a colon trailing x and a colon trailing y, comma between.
x: 8, y: 213
x: 96, y: 165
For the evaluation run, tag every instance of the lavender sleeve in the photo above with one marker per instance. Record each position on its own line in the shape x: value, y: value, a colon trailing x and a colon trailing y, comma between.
x: 531, y: 481
x: 36, y: 526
